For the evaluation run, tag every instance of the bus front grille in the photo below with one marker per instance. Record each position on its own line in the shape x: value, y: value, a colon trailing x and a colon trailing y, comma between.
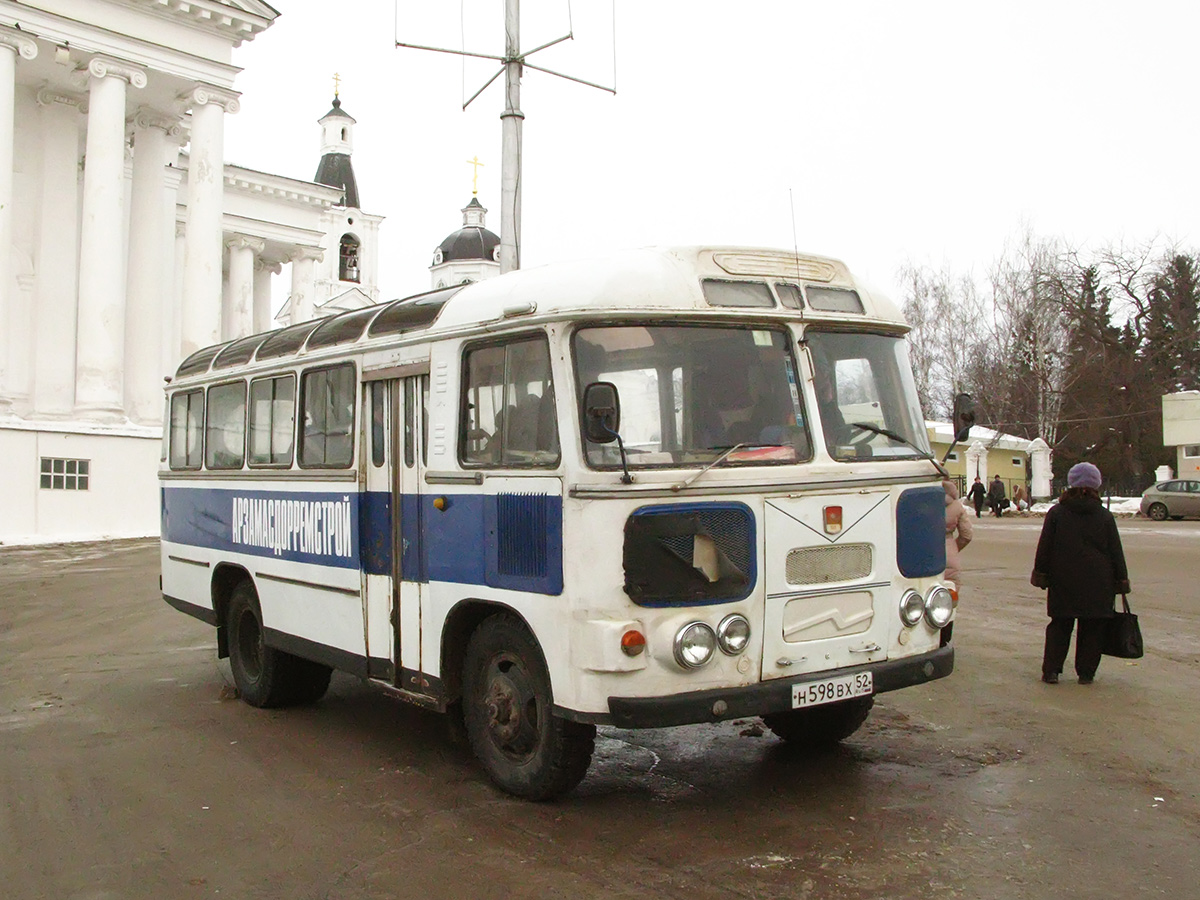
x: 824, y: 565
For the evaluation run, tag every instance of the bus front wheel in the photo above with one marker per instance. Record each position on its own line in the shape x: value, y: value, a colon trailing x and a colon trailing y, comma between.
x: 266, y: 677
x: 507, y: 710
x: 821, y: 726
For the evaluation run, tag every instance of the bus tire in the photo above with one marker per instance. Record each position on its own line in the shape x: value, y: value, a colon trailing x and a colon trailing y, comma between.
x: 822, y: 726
x: 262, y: 674
x: 507, y: 709
x: 310, y: 680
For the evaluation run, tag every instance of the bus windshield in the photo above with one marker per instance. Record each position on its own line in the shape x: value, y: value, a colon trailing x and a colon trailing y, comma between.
x: 866, y: 396
x: 689, y: 393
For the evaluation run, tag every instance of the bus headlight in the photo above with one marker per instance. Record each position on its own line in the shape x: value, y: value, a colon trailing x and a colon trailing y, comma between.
x: 939, y: 606
x: 733, y: 634
x: 912, y: 607
x: 694, y: 645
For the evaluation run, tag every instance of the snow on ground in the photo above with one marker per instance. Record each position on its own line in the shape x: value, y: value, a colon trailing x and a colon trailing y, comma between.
x: 1119, y: 506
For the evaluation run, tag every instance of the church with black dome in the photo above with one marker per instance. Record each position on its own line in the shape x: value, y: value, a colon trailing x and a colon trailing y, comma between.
x: 470, y: 254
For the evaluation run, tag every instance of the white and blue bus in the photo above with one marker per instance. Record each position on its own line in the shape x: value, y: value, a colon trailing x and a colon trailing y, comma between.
x: 672, y: 486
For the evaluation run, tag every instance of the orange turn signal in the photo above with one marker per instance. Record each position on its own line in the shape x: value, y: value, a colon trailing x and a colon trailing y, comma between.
x: 633, y: 643
x: 953, y: 597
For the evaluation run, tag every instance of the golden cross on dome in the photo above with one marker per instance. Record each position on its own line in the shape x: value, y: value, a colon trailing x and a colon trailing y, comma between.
x: 337, y: 83
x: 475, y: 177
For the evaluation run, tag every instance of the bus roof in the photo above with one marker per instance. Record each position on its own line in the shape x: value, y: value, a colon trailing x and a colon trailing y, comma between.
x: 650, y: 280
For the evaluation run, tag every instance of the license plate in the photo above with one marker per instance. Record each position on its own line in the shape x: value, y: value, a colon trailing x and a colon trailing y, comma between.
x: 831, y: 690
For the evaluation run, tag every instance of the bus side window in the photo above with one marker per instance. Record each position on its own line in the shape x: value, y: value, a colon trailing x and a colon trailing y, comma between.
x: 187, y: 409
x: 378, y: 421
x: 327, y: 439
x: 509, y: 417
x: 225, y: 426
x: 272, y: 420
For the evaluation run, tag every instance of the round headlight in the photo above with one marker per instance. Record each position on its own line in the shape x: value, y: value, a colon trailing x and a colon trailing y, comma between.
x: 694, y: 645
x: 912, y: 607
x: 733, y: 634
x: 939, y: 607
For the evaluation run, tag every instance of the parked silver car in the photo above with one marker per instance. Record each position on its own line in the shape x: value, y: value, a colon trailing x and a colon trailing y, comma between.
x: 1176, y: 499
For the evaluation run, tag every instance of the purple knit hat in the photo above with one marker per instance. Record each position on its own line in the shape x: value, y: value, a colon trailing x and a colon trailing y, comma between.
x: 1084, y: 474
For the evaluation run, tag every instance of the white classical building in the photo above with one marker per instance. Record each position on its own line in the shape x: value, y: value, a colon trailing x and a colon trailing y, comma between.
x: 126, y: 243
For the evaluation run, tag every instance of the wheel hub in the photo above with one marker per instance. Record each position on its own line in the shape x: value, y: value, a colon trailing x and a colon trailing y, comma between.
x: 504, y: 710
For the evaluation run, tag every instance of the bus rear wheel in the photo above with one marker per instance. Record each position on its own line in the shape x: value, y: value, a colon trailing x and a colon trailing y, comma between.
x: 507, y: 709
x: 266, y: 677
x: 822, y: 726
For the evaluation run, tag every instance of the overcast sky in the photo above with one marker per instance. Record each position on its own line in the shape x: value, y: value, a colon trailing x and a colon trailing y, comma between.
x: 929, y: 132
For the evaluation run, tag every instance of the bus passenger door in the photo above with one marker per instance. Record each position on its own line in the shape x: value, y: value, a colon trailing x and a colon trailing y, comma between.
x: 408, y: 550
x: 378, y: 531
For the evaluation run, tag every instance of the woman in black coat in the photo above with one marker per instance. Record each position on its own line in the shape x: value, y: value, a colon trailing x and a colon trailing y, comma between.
x: 1080, y: 560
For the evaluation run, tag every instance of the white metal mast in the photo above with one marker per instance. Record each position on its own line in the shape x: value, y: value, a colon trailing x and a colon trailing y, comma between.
x: 511, y: 120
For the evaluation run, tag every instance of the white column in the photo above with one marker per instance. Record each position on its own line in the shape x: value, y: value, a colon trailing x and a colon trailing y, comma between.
x: 975, y: 453
x: 242, y: 251
x: 304, y: 282
x: 12, y: 43
x: 57, y: 257
x: 149, y: 272
x: 100, y: 347
x: 205, y: 190
x: 1040, y: 456
x: 175, y: 336
x: 263, y: 271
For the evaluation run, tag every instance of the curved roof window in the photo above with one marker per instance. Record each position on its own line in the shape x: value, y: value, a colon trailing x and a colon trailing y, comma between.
x: 343, y: 329
x: 199, y: 361
x: 286, y: 341
x: 240, y: 351
x: 412, y: 313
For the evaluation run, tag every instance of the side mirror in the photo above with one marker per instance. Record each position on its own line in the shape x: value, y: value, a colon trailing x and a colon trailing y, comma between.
x: 964, y: 416
x: 601, y: 412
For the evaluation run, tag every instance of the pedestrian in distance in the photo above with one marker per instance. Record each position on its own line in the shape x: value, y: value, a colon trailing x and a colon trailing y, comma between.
x: 978, y: 496
x: 1081, y: 565
x: 1020, y: 499
x: 996, y: 497
x: 958, y: 535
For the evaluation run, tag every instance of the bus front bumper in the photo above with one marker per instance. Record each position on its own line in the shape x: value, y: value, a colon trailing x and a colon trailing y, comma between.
x: 765, y: 697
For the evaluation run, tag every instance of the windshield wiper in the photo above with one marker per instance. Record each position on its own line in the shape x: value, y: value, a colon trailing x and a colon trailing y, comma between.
x: 725, y: 454
x: 888, y: 433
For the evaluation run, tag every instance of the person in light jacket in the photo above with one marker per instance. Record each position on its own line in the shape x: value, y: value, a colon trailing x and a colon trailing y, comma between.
x: 958, y: 535
x: 1081, y: 565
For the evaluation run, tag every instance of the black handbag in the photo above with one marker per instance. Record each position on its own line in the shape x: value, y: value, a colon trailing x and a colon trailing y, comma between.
x: 1123, y: 636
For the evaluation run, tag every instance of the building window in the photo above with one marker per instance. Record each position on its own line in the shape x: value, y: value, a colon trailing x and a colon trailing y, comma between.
x: 65, y: 474
x: 1192, y: 450
x: 1017, y: 461
x: 953, y: 457
x: 348, y: 258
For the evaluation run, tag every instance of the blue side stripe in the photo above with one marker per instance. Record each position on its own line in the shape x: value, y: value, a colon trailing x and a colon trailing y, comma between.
x: 510, y: 541
x: 320, y: 528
